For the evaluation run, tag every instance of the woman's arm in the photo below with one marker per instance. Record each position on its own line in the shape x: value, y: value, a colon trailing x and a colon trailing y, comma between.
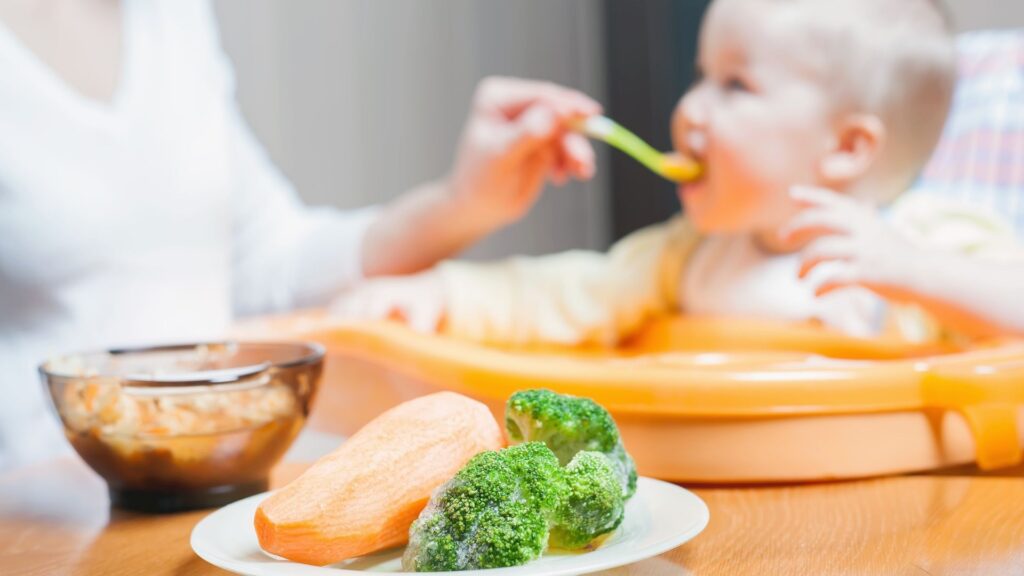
x: 288, y: 255
x: 514, y: 140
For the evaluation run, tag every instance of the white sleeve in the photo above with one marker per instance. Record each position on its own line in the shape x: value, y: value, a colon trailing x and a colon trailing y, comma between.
x: 571, y: 298
x: 284, y: 255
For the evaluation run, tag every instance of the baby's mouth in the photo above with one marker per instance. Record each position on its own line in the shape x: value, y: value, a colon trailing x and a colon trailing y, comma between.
x: 696, y: 145
x: 693, y: 154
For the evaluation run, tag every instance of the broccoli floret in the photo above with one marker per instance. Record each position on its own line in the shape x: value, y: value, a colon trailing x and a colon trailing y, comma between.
x: 593, y: 504
x: 503, y: 506
x: 569, y: 425
x: 495, y: 512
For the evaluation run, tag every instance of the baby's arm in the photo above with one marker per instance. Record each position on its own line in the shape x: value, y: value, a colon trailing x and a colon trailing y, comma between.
x: 570, y: 298
x: 972, y: 294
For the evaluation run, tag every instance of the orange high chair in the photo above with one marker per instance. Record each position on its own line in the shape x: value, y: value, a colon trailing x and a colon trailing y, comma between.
x: 709, y: 401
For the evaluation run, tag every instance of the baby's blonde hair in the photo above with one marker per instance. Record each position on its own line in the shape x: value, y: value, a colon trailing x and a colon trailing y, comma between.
x: 891, y: 58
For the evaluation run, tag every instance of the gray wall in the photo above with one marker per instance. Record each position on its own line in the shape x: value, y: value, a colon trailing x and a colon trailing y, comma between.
x: 358, y: 100
x: 981, y: 14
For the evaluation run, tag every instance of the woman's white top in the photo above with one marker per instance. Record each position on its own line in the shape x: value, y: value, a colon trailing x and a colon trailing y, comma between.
x: 154, y: 218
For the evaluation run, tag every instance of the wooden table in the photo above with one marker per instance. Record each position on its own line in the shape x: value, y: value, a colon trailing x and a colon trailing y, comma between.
x: 54, y: 519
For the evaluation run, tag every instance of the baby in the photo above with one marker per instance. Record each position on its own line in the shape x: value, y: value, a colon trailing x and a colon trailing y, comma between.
x: 809, y: 113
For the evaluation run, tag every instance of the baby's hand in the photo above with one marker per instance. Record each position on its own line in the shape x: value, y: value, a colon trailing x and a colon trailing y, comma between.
x: 516, y: 138
x: 851, y: 235
x: 417, y: 300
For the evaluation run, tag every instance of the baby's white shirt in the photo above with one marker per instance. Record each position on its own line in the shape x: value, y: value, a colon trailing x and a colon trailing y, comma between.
x: 732, y: 276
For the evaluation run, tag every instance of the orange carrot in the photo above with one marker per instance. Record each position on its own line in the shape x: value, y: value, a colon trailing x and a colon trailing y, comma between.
x: 364, y: 496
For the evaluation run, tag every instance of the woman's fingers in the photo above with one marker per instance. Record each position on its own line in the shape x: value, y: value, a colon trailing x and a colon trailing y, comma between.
x: 510, y: 97
x: 582, y: 161
x: 526, y: 116
x: 535, y: 170
x: 536, y: 128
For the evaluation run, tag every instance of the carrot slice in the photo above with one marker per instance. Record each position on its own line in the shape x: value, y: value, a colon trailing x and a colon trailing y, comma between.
x: 364, y: 496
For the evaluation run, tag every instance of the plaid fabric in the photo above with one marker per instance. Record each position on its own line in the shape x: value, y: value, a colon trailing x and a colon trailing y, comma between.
x: 980, y: 159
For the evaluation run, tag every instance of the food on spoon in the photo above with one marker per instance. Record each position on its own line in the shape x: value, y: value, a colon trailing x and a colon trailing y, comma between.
x: 364, y: 496
x: 569, y: 425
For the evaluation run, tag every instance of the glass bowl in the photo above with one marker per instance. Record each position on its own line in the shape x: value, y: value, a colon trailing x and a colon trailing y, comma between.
x: 186, y: 426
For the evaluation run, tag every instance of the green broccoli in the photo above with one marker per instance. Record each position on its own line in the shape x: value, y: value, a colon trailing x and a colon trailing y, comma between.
x: 592, y: 505
x: 569, y: 425
x: 495, y: 512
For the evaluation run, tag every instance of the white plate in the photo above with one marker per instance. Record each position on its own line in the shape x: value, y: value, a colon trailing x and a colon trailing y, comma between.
x: 658, y: 518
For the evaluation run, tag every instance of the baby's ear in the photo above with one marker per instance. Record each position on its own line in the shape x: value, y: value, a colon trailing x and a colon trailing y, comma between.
x: 854, y: 150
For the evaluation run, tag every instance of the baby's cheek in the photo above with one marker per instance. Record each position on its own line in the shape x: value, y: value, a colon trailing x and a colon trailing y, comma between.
x: 781, y: 209
x: 757, y: 202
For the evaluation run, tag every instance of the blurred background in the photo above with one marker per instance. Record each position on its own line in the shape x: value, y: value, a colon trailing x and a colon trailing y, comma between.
x: 358, y: 100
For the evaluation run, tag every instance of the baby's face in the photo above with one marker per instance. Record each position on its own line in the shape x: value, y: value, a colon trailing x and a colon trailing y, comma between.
x: 760, y: 120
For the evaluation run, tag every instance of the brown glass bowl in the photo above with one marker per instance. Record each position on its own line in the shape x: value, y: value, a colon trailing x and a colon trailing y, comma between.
x: 187, y: 426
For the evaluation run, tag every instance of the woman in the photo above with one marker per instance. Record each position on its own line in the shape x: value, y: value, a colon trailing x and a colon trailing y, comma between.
x: 137, y: 207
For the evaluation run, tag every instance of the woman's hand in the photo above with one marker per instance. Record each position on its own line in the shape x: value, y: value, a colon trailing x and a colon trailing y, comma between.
x: 516, y: 138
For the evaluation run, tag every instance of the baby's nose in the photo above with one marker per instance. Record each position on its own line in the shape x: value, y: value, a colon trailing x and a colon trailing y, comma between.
x: 689, y: 124
x: 693, y: 106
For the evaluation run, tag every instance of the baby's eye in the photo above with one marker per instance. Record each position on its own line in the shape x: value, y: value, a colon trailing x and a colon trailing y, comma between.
x: 698, y: 76
x: 736, y: 84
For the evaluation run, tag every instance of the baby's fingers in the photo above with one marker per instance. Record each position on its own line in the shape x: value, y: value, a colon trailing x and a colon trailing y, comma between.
x: 819, y: 197
x: 841, y: 275
x: 813, y: 223
x: 828, y: 249
x: 424, y: 318
x: 348, y: 306
x: 372, y: 301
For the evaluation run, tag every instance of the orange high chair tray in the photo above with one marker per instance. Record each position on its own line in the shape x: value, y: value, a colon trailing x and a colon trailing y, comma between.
x: 709, y: 401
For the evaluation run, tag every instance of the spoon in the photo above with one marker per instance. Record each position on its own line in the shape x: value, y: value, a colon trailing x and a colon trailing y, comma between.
x: 669, y: 166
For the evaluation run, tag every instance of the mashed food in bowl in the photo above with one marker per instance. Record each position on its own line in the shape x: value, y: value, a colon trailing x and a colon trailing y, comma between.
x: 177, y: 424
x: 110, y: 409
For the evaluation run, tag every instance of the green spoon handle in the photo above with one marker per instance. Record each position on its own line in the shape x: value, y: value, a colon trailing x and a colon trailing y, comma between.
x: 609, y: 131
